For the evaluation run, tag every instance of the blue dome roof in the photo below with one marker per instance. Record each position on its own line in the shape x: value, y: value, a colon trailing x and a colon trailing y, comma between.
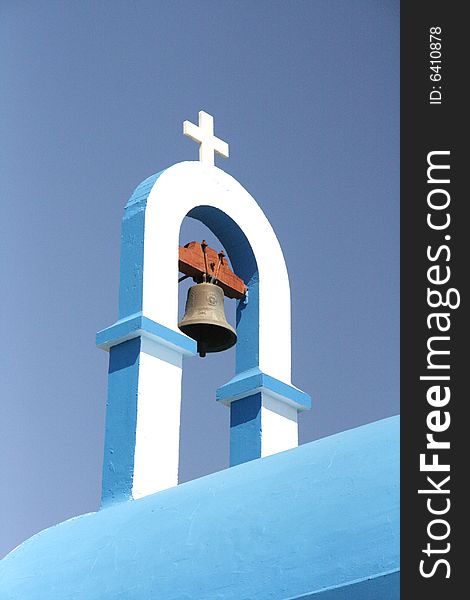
x: 323, y: 516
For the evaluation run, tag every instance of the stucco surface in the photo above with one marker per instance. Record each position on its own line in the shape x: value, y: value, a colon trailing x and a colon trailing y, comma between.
x: 315, y: 518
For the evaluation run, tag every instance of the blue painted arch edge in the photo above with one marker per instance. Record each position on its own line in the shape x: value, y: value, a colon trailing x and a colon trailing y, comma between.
x: 244, y: 264
x: 249, y: 378
x: 132, y: 249
x: 238, y: 249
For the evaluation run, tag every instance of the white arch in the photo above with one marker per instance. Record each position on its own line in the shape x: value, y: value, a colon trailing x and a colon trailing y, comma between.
x: 144, y: 391
x: 178, y: 190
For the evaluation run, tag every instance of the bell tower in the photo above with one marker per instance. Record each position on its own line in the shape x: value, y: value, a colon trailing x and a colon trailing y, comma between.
x: 146, y: 347
x: 245, y: 532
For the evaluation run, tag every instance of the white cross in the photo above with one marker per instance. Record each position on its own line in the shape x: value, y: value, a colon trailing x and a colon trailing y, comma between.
x: 203, y: 134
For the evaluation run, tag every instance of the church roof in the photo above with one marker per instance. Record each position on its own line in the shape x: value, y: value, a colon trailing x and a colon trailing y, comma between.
x: 321, y: 518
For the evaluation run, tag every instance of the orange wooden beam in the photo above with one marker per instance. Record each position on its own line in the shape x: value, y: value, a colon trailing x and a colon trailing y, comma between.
x: 191, y: 262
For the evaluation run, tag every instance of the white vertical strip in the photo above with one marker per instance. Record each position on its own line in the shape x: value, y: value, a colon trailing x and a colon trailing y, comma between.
x: 279, y: 430
x: 158, y: 419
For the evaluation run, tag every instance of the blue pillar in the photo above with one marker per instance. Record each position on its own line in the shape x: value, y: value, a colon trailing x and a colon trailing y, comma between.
x: 121, y: 419
x: 245, y: 429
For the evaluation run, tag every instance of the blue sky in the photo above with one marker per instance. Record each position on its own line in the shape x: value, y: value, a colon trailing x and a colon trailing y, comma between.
x: 93, y: 96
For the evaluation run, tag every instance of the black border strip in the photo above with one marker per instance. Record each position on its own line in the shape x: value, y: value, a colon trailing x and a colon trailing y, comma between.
x: 427, y: 128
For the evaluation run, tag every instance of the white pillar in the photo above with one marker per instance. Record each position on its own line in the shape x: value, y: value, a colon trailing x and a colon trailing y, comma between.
x: 141, y: 454
x: 157, y: 437
x: 278, y: 425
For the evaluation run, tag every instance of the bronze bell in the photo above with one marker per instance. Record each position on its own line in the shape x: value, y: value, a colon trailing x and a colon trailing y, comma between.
x: 204, y: 319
